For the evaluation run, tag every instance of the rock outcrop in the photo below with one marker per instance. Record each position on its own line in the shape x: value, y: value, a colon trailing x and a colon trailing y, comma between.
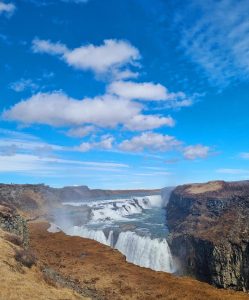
x: 12, y: 222
x: 209, y: 232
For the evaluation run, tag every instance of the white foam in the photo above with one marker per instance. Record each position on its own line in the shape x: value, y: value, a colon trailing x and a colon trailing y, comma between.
x: 156, y: 200
x: 54, y: 228
x: 97, y: 235
x: 145, y: 251
x: 139, y: 250
x: 118, y: 210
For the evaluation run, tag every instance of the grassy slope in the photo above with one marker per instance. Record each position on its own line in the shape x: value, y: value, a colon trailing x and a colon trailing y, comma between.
x: 105, y: 274
x: 21, y: 283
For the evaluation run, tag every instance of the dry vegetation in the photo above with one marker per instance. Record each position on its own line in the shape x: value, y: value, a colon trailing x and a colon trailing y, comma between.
x: 205, y: 187
x: 25, y: 257
x: 103, y: 274
x: 21, y: 283
x: 13, y: 238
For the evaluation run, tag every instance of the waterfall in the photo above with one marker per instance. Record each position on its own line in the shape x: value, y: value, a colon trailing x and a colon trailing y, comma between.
x: 142, y: 249
x: 119, y: 209
x: 97, y: 235
x: 145, y: 251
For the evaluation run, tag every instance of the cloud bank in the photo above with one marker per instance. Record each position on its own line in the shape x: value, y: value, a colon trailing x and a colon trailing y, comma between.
x: 103, y: 111
x: 7, y: 8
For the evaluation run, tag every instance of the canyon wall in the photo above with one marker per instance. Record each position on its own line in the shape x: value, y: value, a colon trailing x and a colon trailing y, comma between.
x: 209, y: 232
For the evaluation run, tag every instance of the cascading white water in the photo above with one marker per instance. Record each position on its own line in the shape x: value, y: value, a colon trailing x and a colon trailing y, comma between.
x: 97, y: 235
x: 146, y: 245
x: 145, y: 252
x: 53, y: 228
x: 119, y: 209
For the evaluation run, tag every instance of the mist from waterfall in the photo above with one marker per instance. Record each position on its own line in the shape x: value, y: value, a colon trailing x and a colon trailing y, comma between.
x: 135, y: 226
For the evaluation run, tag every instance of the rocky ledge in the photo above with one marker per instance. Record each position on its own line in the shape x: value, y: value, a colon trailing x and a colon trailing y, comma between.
x: 14, y: 223
x: 209, y: 232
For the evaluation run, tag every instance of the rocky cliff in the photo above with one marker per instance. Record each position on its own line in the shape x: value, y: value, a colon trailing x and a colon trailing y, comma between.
x: 12, y: 222
x: 209, y: 232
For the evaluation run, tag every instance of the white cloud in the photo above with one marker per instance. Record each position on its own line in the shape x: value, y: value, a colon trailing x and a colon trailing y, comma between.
x: 215, y: 36
x: 196, y: 151
x: 50, y: 2
x: 81, y: 131
x: 233, y: 171
x: 14, y: 142
x: 42, y: 108
x: 16, y: 134
x: 23, y: 84
x: 112, y: 54
x: 106, y: 143
x: 113, y: 59
x: 76, y: 1
x: 45, y: 46
x: 109, y: 57
x: 148, y: 122
x: 8, y: 150
x: 244, y: 155
x: 18, y: 144
x: 102, y: 111
x: 181, y: 103
x: 18, y: 163
x: 152, y: 174
x: 7, y: 8
x: 150, y: 141
x: 28, y: 163
x: 21, y: 152
x: 149, y: 91
x: 142, y: 91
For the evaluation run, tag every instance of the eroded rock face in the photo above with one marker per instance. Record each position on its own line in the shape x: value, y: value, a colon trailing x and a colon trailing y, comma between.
x: 12, y: 222
x: 209, y: 232
x: 26, y: 197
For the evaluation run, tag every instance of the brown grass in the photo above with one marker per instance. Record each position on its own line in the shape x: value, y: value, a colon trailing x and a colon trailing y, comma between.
x: 25, y: 257
x: 13, y: 238
x: 205, y: 187
x: 18, y: 283
x: 104, y: 271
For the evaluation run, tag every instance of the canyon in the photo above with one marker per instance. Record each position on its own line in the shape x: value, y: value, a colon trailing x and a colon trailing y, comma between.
x: 208, y: 239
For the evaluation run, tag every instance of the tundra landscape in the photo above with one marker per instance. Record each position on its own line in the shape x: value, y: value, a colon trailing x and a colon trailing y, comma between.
x: 124, y: 150
x: 59, y: 266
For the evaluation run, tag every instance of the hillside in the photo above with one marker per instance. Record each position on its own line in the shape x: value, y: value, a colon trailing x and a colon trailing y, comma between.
x: 20, y: 271
x: 103, y: 274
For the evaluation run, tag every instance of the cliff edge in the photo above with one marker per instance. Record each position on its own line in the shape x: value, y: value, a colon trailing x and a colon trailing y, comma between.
x: 209, y: 232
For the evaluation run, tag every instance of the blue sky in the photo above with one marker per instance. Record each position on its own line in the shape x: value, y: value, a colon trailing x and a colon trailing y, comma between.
x: 123, y: 93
